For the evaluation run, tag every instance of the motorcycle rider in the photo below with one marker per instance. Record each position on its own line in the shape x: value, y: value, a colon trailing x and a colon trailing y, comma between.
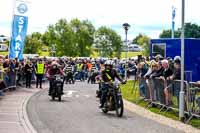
x: 53, y: 70
x: 108, y: 76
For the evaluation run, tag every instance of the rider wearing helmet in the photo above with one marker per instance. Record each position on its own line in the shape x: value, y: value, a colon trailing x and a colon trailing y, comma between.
x: 53, y: 70
x: 108, y: 76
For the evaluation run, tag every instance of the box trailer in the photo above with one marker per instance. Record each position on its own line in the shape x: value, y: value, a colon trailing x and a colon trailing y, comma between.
x: 172, y: 48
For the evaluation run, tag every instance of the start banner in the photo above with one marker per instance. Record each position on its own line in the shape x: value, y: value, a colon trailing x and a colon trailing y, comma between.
x: 19, y: 30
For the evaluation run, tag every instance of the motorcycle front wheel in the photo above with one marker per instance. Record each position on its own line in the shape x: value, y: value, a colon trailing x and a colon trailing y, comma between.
x: 119, y: 106
x: 104, y: 110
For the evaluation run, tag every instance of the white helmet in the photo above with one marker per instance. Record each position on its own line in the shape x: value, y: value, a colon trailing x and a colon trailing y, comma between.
x: 177, y: 58
x: 109, y: 62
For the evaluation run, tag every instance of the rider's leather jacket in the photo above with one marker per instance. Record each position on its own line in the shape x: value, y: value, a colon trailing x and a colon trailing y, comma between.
x: 52, y: 72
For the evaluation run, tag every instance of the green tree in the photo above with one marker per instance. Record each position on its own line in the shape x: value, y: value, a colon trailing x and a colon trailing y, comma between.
x: 135, y: 40
x: 168, y: 34
x: 143, y: 41
x: 33, y: 43
x: 64, y: 38
x: 108, y: 41
x: 191, y: 31
x: 49, y: 37
x: 71, y: 39
x: 83, y: 36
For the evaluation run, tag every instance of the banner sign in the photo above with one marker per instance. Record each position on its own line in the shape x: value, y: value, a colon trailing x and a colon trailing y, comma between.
x: 19, y: 29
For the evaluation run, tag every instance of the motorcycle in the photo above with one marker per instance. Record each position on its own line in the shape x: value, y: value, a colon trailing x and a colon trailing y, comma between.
x: 57, y: 87
x: 114, y: 100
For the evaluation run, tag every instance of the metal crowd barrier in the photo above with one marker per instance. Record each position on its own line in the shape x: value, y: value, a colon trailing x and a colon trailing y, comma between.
x: 155, y: 90
x: 8, y: 82
x: 193, y: 100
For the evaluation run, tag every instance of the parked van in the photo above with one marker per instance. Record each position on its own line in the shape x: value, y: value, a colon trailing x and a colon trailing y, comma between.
x: 3, y: 39
x: 3, y: 47
x: 133, y: 48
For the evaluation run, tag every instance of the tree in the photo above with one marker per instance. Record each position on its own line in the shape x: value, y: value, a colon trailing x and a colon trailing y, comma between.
x: 64, y: 39
x: 168, y: 33
x: 49, y: 37
x: 71, y: 39
x: 108, y: 41
x: 135, y: 40
x: 191, y: 31
x: 83, y: 35
x: 33, y: 43
x: 144, y: 41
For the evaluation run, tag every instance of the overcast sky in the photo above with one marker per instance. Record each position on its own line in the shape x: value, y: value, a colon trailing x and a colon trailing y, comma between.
x: 145, y: 16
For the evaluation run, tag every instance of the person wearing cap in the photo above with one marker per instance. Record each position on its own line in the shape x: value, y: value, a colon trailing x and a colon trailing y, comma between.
x: 39, y: 69
x: 158, y: 58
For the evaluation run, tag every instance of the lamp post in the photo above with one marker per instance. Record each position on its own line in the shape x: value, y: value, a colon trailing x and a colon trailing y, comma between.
x: 126, y: 27
x: 181, y: 95
x: 53, y: 50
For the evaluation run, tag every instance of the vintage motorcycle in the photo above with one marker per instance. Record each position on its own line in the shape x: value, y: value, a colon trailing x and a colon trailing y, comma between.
x: 57, y: 87
x: 114, y: 100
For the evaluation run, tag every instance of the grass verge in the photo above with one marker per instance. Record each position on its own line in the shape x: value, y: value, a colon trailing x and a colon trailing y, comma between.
x: 4, y: 53
x: 123, y: 54
x: 130, y: 54
x: 130, y: 92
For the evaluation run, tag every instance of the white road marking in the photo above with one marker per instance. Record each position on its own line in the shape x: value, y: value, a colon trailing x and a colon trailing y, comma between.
x: 76, y: 96
x: 69, y: 93
x: 87, y: 96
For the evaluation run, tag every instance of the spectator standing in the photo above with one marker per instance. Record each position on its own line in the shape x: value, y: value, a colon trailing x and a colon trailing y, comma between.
x: 176, y: 76
x: 19, y: 72
x: 150, y: 83
x: 159, y: 89
x: 142, y: 70
x: 2, y: 83
x: 166, y: 76
x: 28, y: 73
x: 6, y: 70
x: 40, y: 70
x: 12, y: 72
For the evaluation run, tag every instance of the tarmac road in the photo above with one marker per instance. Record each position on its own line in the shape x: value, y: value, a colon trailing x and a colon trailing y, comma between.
x: 79, y: 113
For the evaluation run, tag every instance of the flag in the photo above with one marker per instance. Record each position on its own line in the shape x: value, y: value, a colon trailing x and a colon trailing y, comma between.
x: 173, y: 13
x: 19, y: 29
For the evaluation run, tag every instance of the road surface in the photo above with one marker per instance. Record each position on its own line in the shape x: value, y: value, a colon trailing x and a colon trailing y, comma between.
x: 79, y: 113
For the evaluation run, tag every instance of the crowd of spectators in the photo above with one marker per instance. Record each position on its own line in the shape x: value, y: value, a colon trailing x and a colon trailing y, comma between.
x: 159, y: 71
x: 150, y: 73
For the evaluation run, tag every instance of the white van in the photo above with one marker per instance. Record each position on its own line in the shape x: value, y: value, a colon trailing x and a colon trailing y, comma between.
x: 3, y: 47
x: 3, y: 39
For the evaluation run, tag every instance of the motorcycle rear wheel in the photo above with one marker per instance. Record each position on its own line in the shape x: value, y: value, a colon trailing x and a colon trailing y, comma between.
x: 53, y: 97
x: 59, y: 98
